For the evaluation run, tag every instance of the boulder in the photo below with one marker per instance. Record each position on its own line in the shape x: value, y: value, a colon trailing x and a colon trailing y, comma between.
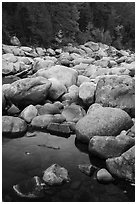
x: 13, y: 126
x: 72, y: 95
x: 26, y: 49
x: 87, y: 92
x: 102, y: 63
x: 59, y: 105
x: 15, y: 41
x: 8, y: 67
x: 88, y: 51
x: 41, y: 51
x: 29, y: 113
x: 55, y: 175
x: 112, y: 63
x: 17, y: 51
x: 13, y: 110
x: 110, y: 146
x: 93, y: 71
x: 80, y: 68
x: 42, y: 121
x: 124, y: 166
x: 59, y: 118
x: 9, y: 57
x: 51, y: 52
x: 59, y: 129
x: 83, y: 60
x: 6, y: 49
x: 119, y: 71
x: 93, y: 107
x: 25, y: 60
x: 104, y: 121
x: 92, y: 45
x: 28, y: 91
x: 57, y: 89
x: 48, y: 109
x: 117, y: 91
x: 82, y: 79
x: 73, y: 113
x: 67, y: 79
x: 40, y: 63
x: 104, y: 176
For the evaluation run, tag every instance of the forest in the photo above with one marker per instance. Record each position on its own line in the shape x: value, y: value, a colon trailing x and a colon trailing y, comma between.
x: 60, y: 23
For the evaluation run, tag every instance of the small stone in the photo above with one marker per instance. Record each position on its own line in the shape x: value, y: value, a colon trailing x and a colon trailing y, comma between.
x: 13, y: 110
x: 87, y: 169
x: 31, y: 188
x: 104, y: 176
x: 55, y: 175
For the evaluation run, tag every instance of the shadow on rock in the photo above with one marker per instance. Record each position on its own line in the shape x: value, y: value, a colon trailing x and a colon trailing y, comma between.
x: 82, y: 147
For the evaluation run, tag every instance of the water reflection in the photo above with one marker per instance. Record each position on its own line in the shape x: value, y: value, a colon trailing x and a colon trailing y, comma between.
x: 26, y: 157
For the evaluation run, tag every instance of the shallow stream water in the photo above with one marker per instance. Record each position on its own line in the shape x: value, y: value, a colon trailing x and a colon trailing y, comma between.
x: 26, y: 157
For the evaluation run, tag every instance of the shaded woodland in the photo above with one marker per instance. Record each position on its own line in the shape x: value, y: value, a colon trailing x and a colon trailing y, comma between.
x: 59, y: 23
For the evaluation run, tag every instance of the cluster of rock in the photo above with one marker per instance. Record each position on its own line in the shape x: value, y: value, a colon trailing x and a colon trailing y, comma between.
x: 88, y: 90
x: 37, y: 187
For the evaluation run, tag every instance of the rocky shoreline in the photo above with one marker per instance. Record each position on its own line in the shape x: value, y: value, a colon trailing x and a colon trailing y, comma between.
x: 88, y: 90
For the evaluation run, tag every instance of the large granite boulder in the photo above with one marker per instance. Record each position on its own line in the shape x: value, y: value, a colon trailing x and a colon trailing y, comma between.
x: 67, y: 76
x: 13, y: 126
x: 124, y: 166
x: 117, y: 91
x: 103, y: 121
x: 27, y: 91
x: 110, y: 146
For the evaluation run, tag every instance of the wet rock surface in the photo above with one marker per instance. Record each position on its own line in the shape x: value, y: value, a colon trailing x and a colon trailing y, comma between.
x: 123, y: 166
x: 51, y: 96
x: 104, y: 121
x: 55, y: 175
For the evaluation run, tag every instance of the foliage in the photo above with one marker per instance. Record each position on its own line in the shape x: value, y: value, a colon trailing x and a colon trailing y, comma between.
x: 38, y: 23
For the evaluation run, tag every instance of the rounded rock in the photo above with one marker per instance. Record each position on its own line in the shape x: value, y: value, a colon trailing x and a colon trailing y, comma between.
x: 104, y: 176
x: 104, y: 121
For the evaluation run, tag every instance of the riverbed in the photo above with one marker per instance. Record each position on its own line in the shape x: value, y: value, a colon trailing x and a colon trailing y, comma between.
x: 30, y: 155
